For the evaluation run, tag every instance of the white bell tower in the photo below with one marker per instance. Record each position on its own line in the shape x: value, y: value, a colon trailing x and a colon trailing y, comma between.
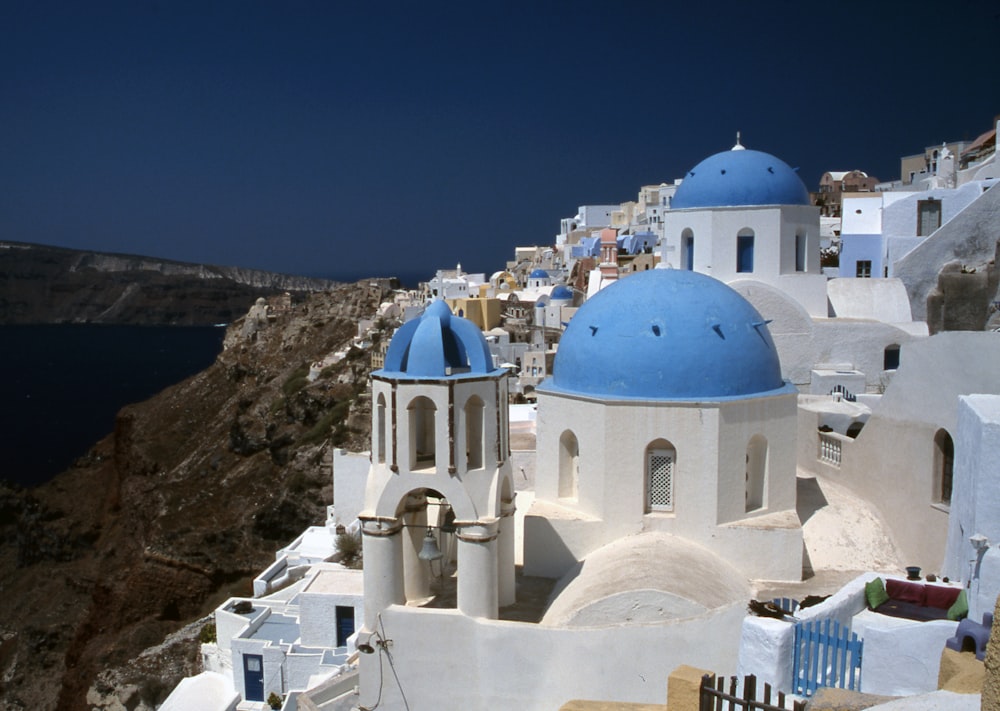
x: 440, y: 463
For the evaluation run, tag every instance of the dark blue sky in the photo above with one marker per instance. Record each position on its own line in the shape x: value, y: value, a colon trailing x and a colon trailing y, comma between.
x: 336, y: 138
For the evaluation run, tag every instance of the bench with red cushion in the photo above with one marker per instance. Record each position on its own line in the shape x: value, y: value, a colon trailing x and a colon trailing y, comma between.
x: 916, y: 601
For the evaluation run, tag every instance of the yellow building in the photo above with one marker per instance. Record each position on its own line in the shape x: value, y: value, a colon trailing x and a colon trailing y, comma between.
x: 484, y: 312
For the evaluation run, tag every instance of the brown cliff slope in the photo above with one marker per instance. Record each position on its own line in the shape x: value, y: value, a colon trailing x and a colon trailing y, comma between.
x: 181, y: 505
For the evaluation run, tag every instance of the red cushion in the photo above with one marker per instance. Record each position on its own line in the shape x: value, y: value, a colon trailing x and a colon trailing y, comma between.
x: 940, y: 596
x: 905, y: 592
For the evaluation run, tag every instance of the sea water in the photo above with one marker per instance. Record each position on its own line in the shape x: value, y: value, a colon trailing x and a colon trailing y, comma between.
x: 61, y: 386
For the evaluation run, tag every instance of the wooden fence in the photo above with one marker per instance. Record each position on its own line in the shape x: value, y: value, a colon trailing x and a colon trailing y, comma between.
x: 713, y: 696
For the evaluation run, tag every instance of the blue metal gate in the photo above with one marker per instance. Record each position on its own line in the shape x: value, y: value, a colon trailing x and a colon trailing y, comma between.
x: 826, y: 654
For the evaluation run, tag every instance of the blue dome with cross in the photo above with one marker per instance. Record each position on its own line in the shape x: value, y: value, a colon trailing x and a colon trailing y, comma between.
x: 667, y: 334
x: 740, y: 177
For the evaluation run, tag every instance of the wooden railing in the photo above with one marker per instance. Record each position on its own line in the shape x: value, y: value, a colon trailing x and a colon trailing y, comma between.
x: 713, y: 696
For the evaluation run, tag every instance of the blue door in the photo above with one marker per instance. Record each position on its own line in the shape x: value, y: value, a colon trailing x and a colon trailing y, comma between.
x: 253, y: 677
x: 689, y: 253
x: 345, y: 624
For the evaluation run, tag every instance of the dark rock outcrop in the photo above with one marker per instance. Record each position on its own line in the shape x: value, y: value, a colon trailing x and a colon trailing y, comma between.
x: 41, y: 284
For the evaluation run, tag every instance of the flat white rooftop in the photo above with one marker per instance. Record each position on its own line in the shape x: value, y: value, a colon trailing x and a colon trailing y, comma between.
x: 336, y: 580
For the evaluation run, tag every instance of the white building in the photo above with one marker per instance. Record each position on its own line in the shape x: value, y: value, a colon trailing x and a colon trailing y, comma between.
x: 880, y: 229
x: 587, y: 219
x: 667, y: 412
x: 745, y: 215
x: 665, y: 481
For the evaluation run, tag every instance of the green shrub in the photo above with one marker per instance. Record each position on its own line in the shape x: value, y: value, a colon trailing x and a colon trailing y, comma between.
x: 328, y: 372
x: 296, y: 381
x: 208, y: 635
x: 350, y: 550
x: 274, y: 701
x: 318, y: 432
x: 321, y: 430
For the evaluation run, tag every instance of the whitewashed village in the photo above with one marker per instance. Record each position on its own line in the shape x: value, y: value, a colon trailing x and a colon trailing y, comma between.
x: 727, y: 428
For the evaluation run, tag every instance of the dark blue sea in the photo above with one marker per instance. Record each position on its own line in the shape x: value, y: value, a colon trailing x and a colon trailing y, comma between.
x: 61, y: 386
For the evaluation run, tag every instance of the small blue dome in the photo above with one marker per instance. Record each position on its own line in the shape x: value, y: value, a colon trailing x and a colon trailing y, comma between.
x: 539, y: 274
x: 740, y: 177
x: 666, y: 334
x: 437, y: 345
x: 561, y: 293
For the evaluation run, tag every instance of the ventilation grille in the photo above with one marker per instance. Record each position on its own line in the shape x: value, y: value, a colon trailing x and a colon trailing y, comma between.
x: 661, y: 481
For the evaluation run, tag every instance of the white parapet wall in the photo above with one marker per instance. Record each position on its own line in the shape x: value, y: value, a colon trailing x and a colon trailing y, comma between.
x: 900, y: 657
x: 533, y: 667
x: 766, y: 645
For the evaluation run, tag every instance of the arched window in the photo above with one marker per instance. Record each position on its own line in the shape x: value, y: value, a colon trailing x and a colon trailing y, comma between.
x: 422, y: 441
x: 890, y: 358
x: 944, y: 462
x: 380, y: 432
x: 687, y: 244
x: 756, y: 472
x: 744, y: 250
x: 474, y: 436
x: 800, y: 252
x: 661, y: 460
x: 569, y: 465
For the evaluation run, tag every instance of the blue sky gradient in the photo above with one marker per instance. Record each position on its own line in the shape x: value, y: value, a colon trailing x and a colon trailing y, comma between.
x: 349, y: 139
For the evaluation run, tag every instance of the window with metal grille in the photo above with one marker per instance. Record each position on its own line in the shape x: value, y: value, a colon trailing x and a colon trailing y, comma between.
x: 660, y: 491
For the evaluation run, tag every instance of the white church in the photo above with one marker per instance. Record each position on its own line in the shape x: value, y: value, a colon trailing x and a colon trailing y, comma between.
x: 745, y: 214
x: 665, y: 483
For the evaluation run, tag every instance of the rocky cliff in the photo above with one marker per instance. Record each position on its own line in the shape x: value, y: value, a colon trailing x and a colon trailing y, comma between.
x: 179, y: 508
x: 40, y: 284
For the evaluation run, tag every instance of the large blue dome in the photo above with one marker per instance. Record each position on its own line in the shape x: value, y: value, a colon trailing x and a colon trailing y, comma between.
x: 437, y: 345
x: 740, y: 177
x: 666, y: 334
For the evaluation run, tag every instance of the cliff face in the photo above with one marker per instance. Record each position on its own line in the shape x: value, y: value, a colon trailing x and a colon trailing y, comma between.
x: 40, y: 284
x: 180, y: 507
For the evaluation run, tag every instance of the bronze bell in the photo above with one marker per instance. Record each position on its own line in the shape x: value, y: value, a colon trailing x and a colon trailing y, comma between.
x: 430, y: 551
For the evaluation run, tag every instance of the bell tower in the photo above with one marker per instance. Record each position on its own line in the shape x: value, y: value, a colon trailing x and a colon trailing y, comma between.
x: 440, y: 472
